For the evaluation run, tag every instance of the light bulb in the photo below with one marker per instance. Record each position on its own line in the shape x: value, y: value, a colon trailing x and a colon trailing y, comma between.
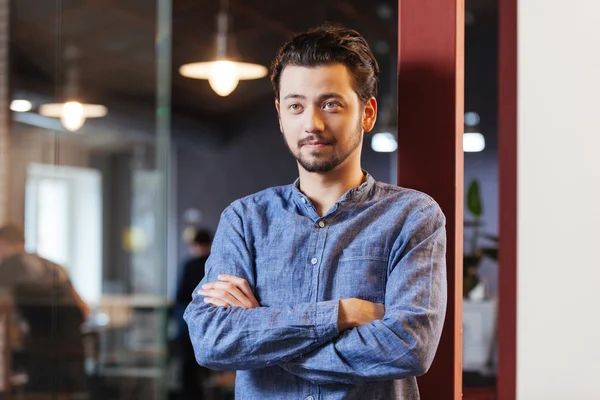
x: 20, y: 105
x: 473, y: 142
x: 223, y: 78
x: 384, y: 142
x: 72, y: 117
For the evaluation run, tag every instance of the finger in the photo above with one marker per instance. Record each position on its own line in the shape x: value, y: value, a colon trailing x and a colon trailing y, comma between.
x: 218, y: 285
x: 241, y: 283
x: 209, y: 285
x: 221, y: 295
x: 216, y: 302
x: 234, y: 291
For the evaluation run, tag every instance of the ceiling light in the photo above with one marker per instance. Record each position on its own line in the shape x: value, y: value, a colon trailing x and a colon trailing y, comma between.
x: 224, y: 73
x: 72, y: 114
x: 21, y: 105
x: 384, y: 143
x: 473, y: 142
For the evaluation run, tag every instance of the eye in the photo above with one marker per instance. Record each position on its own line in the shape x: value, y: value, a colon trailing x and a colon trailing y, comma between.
x: 331, y: 105
x: 295, y: 107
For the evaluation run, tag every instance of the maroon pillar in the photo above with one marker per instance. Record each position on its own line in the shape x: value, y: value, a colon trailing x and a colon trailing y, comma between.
x: 430, y: 154
x: 507, y: 174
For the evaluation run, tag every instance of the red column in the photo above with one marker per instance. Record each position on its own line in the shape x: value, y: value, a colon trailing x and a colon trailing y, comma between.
x: 430, y: 154
x: 507, y: 174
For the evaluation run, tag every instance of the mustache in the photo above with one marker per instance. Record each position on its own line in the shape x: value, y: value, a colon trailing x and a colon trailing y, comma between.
x: 315, y: 139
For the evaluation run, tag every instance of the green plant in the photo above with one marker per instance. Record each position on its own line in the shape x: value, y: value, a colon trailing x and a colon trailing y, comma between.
x: 475, y: 253
x: 475, y: 208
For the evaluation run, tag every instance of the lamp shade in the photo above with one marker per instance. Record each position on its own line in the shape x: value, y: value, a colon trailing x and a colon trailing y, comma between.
x: 73, y: 114
x: 223, y: 75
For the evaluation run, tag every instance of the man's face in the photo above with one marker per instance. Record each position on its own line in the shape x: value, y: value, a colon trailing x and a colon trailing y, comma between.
x: 321, y: 116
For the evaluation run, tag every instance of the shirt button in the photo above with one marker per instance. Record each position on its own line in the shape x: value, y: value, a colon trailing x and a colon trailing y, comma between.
x: 314, y: 261
x: 303, y: 200
x: 321, y: 224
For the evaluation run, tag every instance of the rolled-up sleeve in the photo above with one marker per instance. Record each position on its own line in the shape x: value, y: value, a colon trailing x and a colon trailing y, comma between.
x: 404, y: 342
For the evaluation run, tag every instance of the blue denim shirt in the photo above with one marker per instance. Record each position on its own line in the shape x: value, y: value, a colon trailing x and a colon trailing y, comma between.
x: 379, y: 242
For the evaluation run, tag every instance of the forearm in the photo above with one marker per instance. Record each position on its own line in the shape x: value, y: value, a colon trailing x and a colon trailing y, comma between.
x: 393, y: 348
x: 404, y: 342
x: 237, y: 338
x: 234, y: 338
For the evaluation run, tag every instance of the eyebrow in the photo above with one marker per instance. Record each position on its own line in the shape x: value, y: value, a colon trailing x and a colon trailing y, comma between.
x: 330, y: 95
x: 294, y: 96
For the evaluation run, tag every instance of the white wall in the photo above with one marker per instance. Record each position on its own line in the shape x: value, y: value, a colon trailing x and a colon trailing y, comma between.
x: 558, y: 331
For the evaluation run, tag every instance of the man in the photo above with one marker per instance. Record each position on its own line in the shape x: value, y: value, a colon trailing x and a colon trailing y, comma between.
x: 193, y: 268
x: 193, y: 272
x: 53, y: 312
x: 333, y: 287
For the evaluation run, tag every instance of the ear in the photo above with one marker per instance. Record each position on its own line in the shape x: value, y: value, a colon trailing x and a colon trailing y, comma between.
x: 277, y: 106
x: 369, y: 115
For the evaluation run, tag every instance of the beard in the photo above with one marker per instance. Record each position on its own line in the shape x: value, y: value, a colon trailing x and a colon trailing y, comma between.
x: 328, y: 159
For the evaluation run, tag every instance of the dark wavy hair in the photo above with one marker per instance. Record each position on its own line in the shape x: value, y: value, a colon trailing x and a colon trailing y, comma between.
x: 330, y: 44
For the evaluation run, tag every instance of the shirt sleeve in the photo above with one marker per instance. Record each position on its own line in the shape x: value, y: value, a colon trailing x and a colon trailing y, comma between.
x: 234, y: 338
x: 404, y: 342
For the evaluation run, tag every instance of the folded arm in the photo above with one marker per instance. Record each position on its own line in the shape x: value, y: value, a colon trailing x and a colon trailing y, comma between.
x: 236, y: 338
x: 404, y: 342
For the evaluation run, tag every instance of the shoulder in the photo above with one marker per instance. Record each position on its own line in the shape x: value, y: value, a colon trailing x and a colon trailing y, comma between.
x: 411, y: 208
x: 259, y: 202
x: 405, y: 198
x: 55, y: 269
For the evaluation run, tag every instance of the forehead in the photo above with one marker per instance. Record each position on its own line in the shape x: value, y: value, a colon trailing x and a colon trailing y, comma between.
x: 309, y: 81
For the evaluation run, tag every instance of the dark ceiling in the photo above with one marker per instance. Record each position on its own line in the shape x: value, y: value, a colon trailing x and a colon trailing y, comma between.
x: 118, y: 58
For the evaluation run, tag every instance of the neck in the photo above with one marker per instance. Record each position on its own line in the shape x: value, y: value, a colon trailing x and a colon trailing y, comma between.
x: 324, y: 189
x: 12, y: 251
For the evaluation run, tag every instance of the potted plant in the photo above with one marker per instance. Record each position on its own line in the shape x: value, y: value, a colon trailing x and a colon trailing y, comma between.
x: 475, y: 252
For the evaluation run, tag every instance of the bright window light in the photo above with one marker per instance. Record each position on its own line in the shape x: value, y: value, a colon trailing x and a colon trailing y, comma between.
x: 473, y: 142
x: 384, y: 143
x: 20, y: 105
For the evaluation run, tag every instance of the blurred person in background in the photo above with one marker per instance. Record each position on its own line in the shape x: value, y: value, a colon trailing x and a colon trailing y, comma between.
x: 52, y: 313
x: 193, y: 376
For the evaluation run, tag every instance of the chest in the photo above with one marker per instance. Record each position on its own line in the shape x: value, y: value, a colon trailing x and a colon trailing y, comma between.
x: 308, y: 262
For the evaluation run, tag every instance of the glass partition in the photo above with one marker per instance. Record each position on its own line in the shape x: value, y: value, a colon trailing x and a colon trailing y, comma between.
x: 85, y: 174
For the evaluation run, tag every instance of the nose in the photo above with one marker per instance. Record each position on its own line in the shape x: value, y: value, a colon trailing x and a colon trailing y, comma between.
x: 314, y: 121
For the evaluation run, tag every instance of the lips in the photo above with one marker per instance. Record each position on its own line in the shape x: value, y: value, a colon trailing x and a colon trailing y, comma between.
x: 314, y: 143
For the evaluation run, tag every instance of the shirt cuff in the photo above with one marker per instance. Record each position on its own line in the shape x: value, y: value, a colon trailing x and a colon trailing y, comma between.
x: 326, y: 324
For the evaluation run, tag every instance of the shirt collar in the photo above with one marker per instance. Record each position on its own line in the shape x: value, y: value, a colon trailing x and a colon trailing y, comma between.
x: 355, y: 194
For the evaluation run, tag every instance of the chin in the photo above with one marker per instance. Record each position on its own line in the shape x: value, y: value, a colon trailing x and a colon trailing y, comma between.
x: 318, y: 167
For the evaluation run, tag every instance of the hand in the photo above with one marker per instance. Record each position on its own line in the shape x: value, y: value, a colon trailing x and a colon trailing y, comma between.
x: 356, y: 312
x: 229, y: 291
